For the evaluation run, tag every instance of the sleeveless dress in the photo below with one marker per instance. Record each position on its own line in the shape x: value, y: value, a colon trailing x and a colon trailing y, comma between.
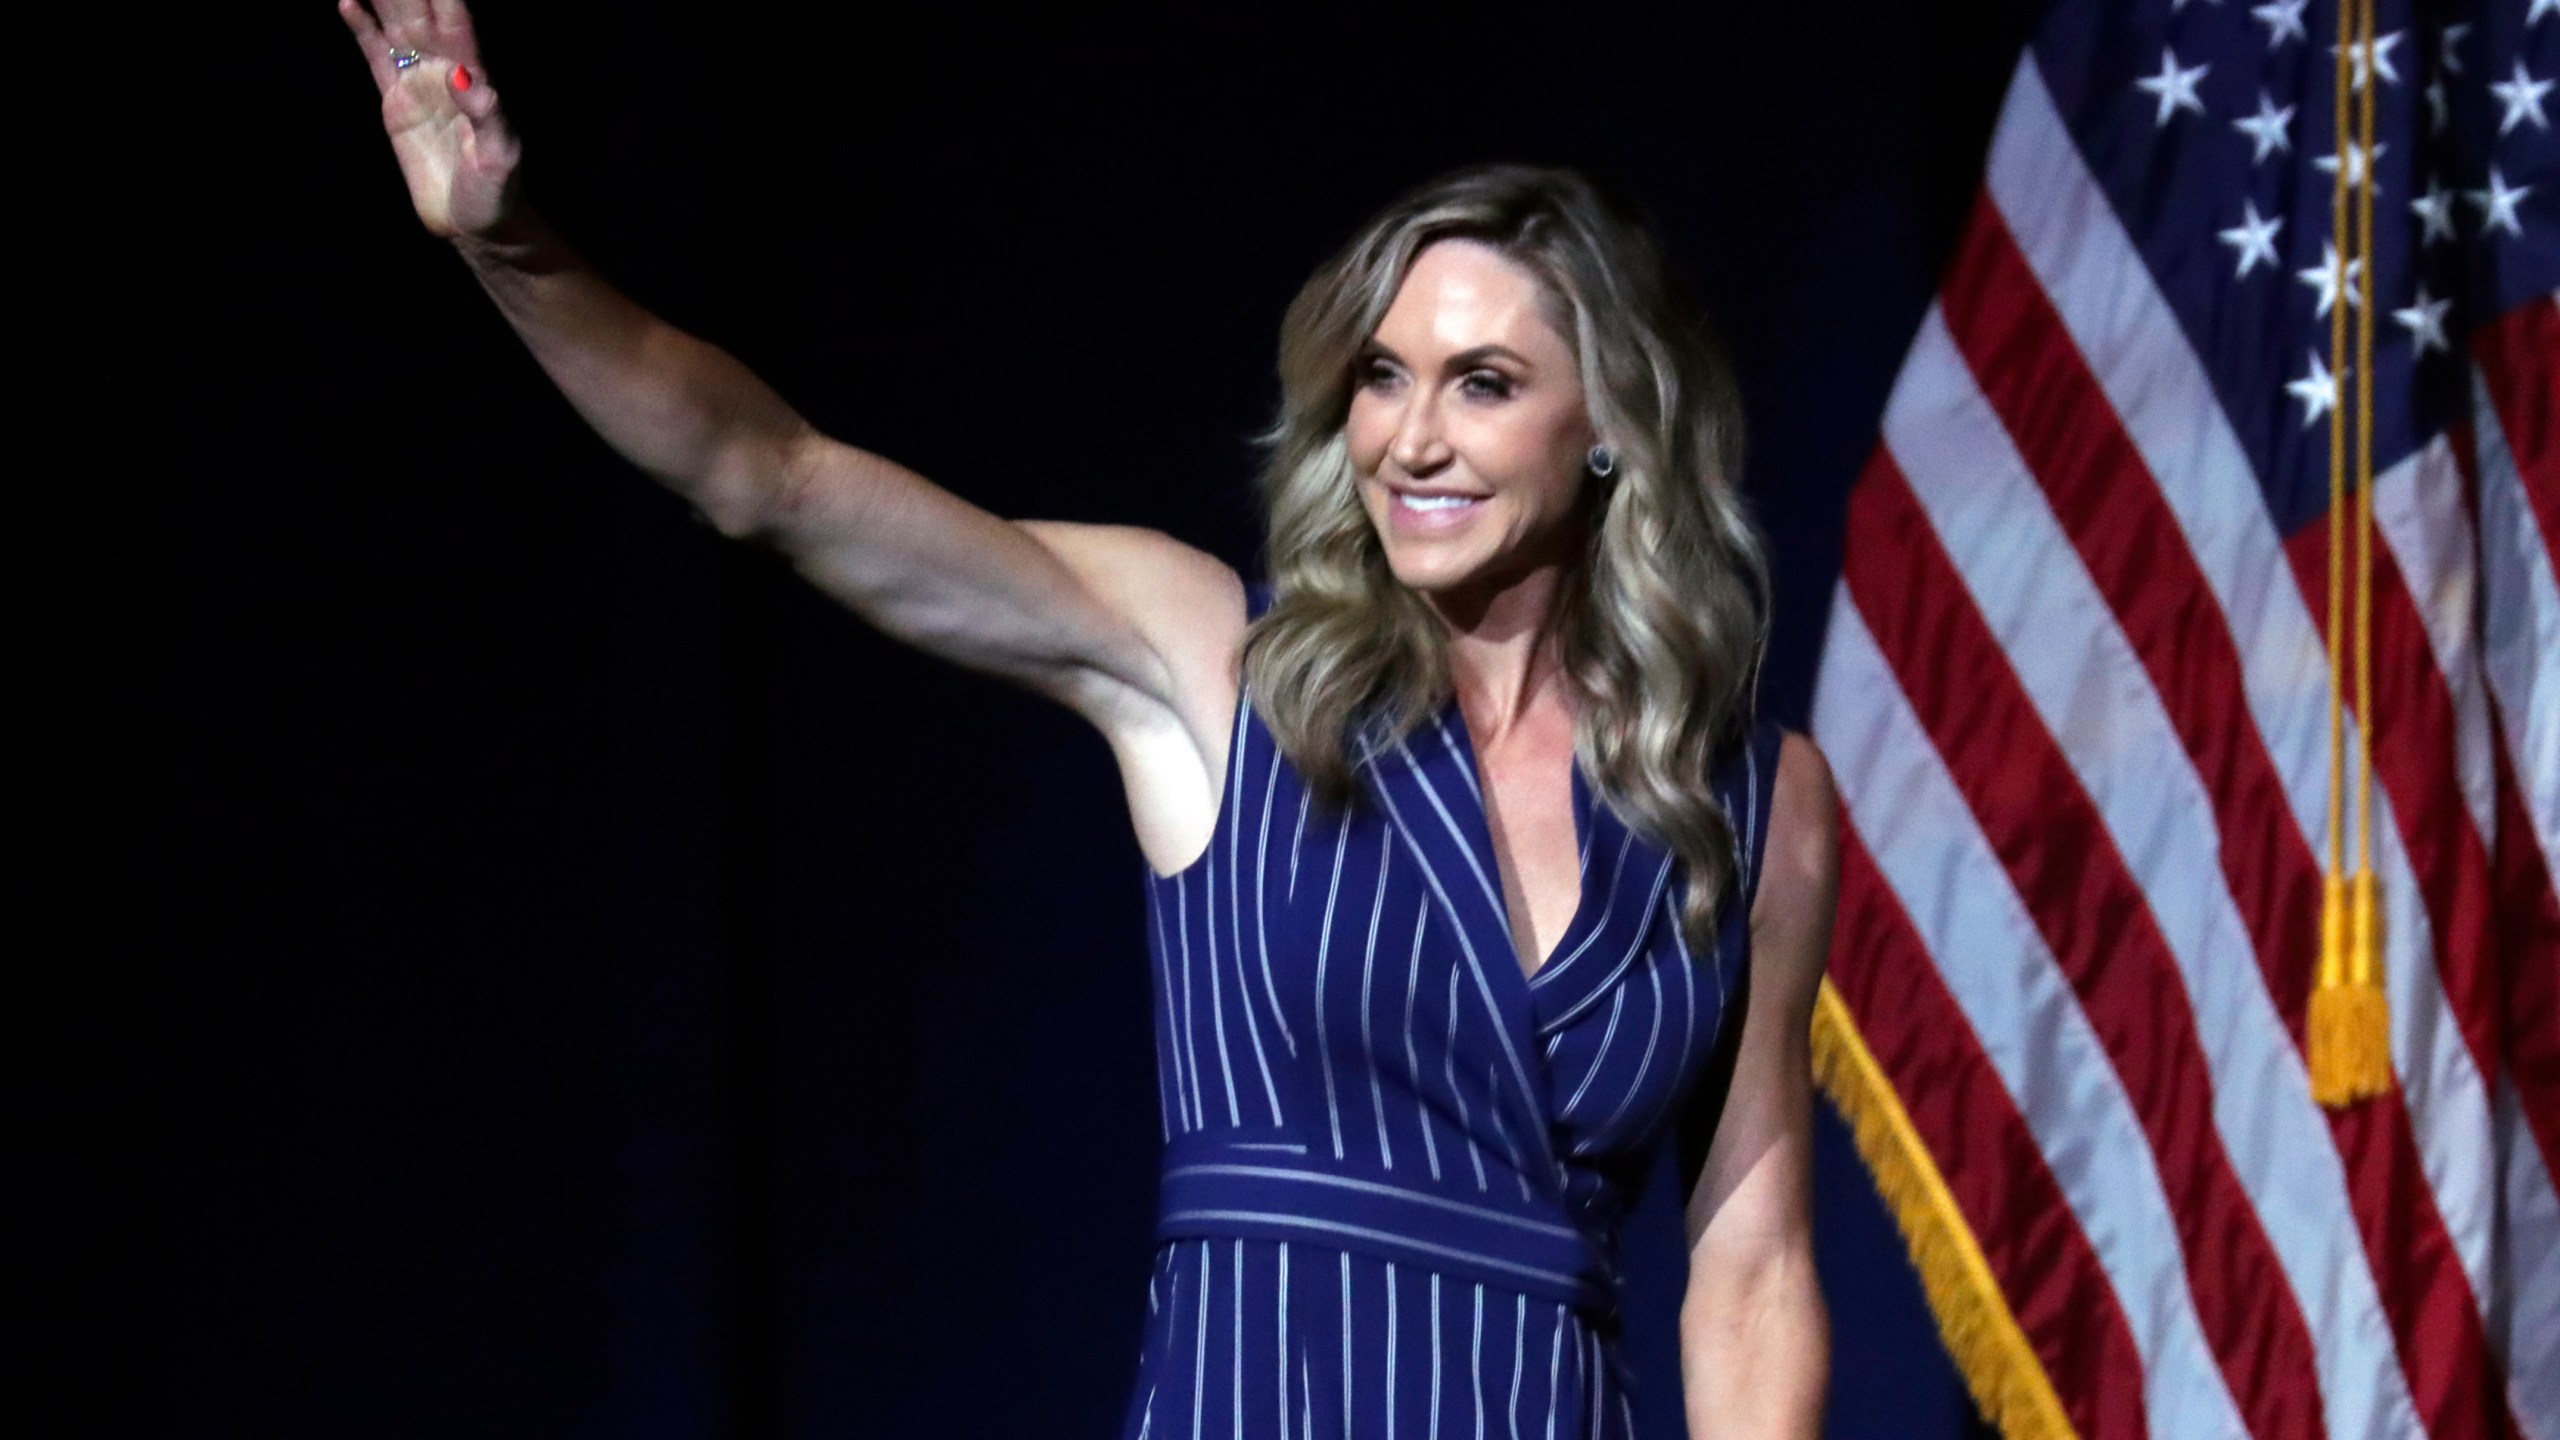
x: 1395, y: 1166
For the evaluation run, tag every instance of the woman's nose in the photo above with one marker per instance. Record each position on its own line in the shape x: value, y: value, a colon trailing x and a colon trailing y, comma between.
x: 1417, y: 447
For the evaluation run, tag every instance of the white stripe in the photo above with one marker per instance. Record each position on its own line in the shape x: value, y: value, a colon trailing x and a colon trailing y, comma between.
x: 1465, y: 772
x: 1750, y: 820
x: 1346, y: 1345
x: 1435, y: 1354
x: 1599, y: 1384
x: 1510, y: 1151
x: 1217, y: 1002
x: 1449, y: 1073
x: 1324, y: 952
x: 1617, y: 1005
x: 1368, y: 1047
x: 1296, y: 836
x: 1172, y: 1040
x: 2067, y: 230
x: 1412, y: 1058
x: 2525, y: 1327
x: 1261, y: 910
x: 1519, y: 1341
x: 2418, y: 514
x: 1196, y: 1117
x: 1391, y: 1347
x: 1644, y: 1065
x: 1200, y: 1346
x: 1235, y: 1357
x: 1477, y: 1392
x: 1233, y: 805
x: 2522, y: 649
x: 1914, y: 822
x: 1555, y: 1358
x: 2097, y: 703
x: 1284, y: 1337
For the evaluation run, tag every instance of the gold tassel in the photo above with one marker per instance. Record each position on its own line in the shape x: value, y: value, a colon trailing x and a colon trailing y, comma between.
x: 2349, y: 1040
x: 2350, y: 1017
x: 1981, y: 1334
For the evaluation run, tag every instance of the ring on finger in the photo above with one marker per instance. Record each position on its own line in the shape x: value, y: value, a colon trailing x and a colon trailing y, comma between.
x: 403, y: 59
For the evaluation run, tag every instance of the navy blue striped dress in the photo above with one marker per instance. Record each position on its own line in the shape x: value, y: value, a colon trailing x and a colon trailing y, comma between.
x: 1395, y: 1166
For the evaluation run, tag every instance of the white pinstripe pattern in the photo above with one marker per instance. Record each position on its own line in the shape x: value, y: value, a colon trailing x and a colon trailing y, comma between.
x: 1475, y: 1094
x: 1475, y: 962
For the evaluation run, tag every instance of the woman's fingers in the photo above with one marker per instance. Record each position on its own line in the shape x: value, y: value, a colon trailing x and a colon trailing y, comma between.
x: 406, y: 22
x: 448, y: 16
x: 479, y: 102
x: 369, y: 37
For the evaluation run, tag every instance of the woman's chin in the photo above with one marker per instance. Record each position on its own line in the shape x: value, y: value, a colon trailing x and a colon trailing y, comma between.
x: 1429, y: 574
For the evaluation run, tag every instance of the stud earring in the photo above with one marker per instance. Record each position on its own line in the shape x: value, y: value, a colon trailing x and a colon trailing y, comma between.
x: 1603, y: 461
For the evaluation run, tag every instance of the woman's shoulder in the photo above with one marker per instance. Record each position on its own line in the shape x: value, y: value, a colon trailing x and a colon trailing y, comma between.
x: 1772, y: 781
x: 1799, y: 865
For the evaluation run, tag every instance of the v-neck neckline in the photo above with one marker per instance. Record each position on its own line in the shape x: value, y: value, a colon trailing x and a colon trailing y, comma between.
x: 1453, y: 723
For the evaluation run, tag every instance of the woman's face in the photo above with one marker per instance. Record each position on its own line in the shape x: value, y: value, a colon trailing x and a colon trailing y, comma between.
x: 1467, y: 429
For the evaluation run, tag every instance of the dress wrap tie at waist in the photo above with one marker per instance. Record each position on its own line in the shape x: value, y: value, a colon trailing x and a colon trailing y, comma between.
x: 1222, y: 1185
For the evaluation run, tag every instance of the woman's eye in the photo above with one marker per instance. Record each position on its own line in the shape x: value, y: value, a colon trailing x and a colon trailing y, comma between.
x: 1488, y: 385
x: 1377, y: 374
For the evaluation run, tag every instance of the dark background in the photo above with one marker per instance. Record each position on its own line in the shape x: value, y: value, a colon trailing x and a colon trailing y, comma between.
x: 505, y: 960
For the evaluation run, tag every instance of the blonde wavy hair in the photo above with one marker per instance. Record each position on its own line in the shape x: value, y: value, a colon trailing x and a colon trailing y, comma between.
x: 1663, y: 619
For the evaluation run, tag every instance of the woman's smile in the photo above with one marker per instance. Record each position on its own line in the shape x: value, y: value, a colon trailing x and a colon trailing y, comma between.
x: 1467, y: 424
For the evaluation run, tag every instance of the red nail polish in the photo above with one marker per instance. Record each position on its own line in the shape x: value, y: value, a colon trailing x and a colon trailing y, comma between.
x: 461, y: 77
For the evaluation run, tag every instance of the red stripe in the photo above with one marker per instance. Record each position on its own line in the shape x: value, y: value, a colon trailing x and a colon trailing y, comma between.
x: 2529, y: 947
x: 2514, y: 354
x: 2098, y: 924
x: 2046, y: 1269
x: 2105, y: 498
x: 2413, y: 760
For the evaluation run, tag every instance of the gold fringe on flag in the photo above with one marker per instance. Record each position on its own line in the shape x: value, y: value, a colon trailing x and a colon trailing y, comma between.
x: 2349, y: 1044
x: 1998, y: 1365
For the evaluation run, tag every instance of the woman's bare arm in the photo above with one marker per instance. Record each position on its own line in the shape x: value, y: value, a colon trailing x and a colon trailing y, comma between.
x: 1754, y: 1340
x: 1023, y: 601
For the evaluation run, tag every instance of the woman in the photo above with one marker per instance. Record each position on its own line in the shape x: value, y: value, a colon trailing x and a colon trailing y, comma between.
x: 1473, y: 878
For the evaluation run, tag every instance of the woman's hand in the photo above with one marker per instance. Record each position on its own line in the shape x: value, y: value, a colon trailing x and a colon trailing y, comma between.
x: 454, y: 147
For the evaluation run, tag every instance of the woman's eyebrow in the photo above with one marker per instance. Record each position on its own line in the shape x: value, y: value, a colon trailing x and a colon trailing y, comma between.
x: 1471, y: 358
x: 1466, y: 359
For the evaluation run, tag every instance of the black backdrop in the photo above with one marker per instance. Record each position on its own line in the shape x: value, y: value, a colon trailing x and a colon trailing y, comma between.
x: 508, y: 961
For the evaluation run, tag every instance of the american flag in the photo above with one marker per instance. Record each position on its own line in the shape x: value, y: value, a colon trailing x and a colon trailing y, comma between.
x: 2076, y: 689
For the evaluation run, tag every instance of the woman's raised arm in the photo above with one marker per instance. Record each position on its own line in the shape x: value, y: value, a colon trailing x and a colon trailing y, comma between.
x: 1113, y: 622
